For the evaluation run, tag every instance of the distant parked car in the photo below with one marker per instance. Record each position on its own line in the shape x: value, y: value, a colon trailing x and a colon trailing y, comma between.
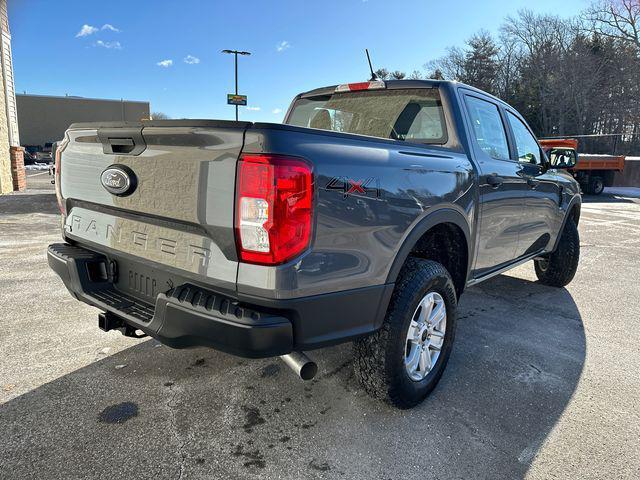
x: 45, y: 154
x: 32, y: 149
x: 29, y: 158
x: 52, y: 168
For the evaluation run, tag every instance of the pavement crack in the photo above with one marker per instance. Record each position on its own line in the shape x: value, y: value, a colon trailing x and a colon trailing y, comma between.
x: 172, y: 404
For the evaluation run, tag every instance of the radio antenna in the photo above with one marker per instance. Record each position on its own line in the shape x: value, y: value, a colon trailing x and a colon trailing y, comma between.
x: 374, y: 77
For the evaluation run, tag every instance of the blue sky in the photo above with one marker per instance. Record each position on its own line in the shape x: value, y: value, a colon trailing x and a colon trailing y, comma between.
x: 296, y: 46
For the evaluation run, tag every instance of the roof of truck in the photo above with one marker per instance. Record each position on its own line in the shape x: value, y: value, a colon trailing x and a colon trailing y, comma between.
x: 400, y: 84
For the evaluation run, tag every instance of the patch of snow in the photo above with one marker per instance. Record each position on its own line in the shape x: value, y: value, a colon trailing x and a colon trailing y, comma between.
x: 633, y: 192
x: 38, y: 166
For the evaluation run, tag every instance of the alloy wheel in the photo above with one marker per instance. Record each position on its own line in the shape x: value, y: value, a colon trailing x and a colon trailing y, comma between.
x: 425, y: 337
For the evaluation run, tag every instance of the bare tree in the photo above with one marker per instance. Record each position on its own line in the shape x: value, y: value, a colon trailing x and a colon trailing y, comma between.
x: 477, y: 64
x: 436, y: 75
x: 617, y: 19
x: 159, y: 116
x: 398, y: 75
x: 451, y: 66
x: 382, y: 73
x: 566, y: 76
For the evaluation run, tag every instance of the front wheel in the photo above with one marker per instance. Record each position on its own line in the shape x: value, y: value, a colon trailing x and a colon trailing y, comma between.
x: 558, y: 268
x: 403, y: 361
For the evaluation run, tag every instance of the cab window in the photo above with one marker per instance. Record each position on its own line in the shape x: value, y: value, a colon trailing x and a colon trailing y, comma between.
x: 488, y: 128
x: 412, y: 115
x: 526, y: 144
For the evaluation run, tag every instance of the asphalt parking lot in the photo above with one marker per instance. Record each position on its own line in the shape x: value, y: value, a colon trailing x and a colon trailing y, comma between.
x: 542, y: 382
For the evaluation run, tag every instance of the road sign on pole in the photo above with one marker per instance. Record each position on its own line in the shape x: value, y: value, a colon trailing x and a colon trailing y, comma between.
x: 235, y: 99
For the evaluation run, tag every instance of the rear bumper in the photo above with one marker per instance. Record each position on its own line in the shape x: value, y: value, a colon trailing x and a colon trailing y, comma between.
x: 190, y: 315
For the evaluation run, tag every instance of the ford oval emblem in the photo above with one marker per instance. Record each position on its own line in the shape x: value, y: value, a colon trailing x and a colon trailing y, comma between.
x: 118, y: 180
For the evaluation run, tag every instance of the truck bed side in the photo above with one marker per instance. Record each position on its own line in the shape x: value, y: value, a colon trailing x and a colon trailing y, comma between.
x: 589, y: 161
x: 370, y: 194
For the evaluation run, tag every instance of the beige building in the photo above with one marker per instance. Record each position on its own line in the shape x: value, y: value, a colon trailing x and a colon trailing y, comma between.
x: 44, y: 119
x: 8, y: 114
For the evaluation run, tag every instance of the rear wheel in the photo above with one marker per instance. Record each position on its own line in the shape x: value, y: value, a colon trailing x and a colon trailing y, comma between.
x: 596, y: 185
x: 403, y: 361
x: 558, y: 268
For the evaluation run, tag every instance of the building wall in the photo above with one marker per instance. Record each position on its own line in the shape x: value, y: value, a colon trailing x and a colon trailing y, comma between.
x: 44, y: 119
x: 6, y: 181
x: 630, y: 176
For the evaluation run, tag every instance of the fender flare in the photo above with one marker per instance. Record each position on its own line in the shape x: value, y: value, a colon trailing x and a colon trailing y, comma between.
x: 442, y: 215
x: 576, y: 200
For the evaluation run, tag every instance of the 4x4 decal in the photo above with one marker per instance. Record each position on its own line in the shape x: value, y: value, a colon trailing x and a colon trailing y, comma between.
x: 367, y: 187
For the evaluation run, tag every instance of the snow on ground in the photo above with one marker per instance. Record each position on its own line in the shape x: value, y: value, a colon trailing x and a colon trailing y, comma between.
x: 633, y: 192
x: 38, y: 166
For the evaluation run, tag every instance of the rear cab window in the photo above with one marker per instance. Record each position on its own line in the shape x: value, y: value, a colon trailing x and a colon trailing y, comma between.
x: 488, y: 129
x: 412, y: 114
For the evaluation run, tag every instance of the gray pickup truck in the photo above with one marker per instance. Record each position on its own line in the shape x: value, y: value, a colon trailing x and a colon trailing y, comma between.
x: 362, y: 218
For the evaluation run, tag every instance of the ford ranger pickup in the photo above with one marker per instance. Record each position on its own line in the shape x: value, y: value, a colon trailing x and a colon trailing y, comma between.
x: 362, y: 218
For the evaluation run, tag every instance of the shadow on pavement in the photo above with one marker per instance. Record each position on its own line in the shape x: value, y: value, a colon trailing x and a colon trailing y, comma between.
x: 153, y: 412
x: 25, y: 203
x: 609, y: 198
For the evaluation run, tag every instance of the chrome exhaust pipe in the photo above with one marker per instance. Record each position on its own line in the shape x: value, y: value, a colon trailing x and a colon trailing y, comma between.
x: 304, y: 367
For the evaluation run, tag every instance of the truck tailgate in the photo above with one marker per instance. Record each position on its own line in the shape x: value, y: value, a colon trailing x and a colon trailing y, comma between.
x: 179, y: 210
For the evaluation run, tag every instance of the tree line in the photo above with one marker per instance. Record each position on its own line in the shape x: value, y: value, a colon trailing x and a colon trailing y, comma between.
x: 576, y: 76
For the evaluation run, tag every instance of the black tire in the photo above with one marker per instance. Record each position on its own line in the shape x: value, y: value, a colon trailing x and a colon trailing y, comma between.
x: 596, y: 185
x: 379, y: 358
x: 559, y: 267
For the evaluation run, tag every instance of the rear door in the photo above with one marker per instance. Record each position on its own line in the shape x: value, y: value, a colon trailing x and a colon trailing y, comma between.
x: 502, y: 186
x: 542, y: 200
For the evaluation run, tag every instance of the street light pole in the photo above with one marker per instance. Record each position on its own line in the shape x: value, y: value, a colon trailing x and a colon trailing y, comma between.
x: 235, y: 55
x: 235, y: 61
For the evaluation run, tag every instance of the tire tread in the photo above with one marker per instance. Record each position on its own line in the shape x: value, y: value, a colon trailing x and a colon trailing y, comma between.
x: 374, y: 372
x: 563, y: 262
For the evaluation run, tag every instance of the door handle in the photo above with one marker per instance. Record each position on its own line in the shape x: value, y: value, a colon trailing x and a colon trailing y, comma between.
x: 494, y: 180
x: 532, y: 182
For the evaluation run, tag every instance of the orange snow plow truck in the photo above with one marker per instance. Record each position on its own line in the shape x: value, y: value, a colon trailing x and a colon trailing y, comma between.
x: 593, y: 172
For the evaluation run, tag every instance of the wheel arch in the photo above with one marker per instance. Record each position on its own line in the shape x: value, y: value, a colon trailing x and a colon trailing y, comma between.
x: 439, y: 221
x: 573, y: 212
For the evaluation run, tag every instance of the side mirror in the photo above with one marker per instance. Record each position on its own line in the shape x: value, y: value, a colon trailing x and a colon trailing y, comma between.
x: 562, y: 157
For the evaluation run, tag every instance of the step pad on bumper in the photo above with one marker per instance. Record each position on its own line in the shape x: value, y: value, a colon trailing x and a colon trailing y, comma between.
x: 203, y: 300
x: 85, y: 273
x: 125, y: 303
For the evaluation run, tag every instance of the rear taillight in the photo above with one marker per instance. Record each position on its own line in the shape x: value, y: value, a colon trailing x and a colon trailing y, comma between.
x: 58, y: 157
x: 274, y: 202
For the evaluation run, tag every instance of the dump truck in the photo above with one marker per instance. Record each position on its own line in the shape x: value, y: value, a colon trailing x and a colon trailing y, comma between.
x: 592, y: 171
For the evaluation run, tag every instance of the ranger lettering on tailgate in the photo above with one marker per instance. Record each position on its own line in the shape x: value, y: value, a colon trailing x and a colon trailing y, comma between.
x: 181, y: 249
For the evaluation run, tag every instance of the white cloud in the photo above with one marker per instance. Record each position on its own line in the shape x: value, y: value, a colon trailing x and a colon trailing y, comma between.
x: 165, y: 63
x: 276, y: 111
x: 86, y: 30
x: 254, y: 109
x: 110, y: 45
x: 191, y: 60
x: 283, y: 45
x: 108, y: 26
